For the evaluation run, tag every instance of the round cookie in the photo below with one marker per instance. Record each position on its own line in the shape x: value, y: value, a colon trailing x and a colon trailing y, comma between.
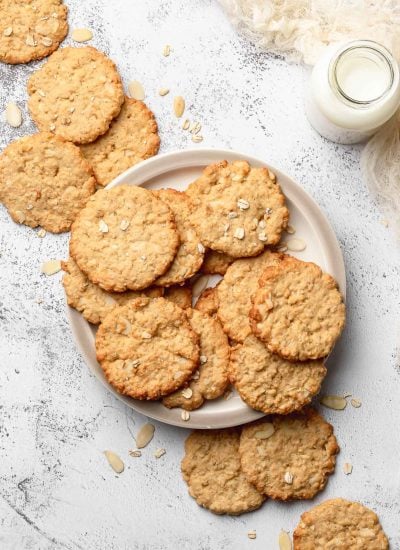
x: 216, y: 263
x: 76, y: 94
x: 208, y: 301
x: 298, y: 310
x: 31, y: 30
x: 238, y: 210
x: 270, y: 384
x: 89, y: 299
x: 124, y: 238
x: 131, y: 138
x: 289, y: 457
x: 189, y: 256
x: 211, y: 379
x: 236, y: 289
x: 180, y: 295
x: 44, y: 181
x: 339, y: 524
x: 211, y: 468
x: 147, y: 348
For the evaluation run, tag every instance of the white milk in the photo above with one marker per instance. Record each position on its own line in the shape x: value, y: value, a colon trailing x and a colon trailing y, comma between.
x: 354, y: 89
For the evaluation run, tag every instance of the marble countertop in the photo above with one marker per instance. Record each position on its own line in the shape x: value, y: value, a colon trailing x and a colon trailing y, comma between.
x: 56, y: 489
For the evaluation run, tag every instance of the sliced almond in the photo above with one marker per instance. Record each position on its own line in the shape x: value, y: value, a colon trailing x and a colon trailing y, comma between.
x: 243, y: 204
x: 347, y: 468
x: 285, y: 542
x: 187, y: 393
x: 265, y: 431
x: 20, y: 216
x: 115, y: 462
x: 239, y: 233
x: 124, y: 225
x: 136, y: 90
x: 82, y: 35
x: 163, y: 91
x: 203, y: 359
x: 146, y: 335
x: 8, y: 31
x: 185, y: 415
x: 159, y: 453
x: 200, y: 248
x: 296, y: 245
x: 262, y: 236
x: 199, y: 286
x: 356, y: 403
x: 13, y: 115
x: 51, y: 267
x: 186, y: 124
x: 179, y: 106
x: 30, y: 41
x: 144, y: 435
x: 103, y: 227
x: 288, y: 478
x: 46, y: 41
x: 166, y: 50
x: 336, y: 402
x: 252, y: 534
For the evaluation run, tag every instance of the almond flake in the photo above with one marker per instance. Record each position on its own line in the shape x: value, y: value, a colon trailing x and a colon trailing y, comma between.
x: 135, y: 453
x: 20, y: 216
x: 203, y: 359
x: 146, y: 335
x: 115, y: 462
x: 124, y: 225
x: 8, y: 31
x: 243, y: 204
x: 179, y: 106
x: 262, y: 224
x: 41, y: 93
x: 285, y: 542
x: 336, y: 402
x: 197, y: 139
x: 199, y: 286
x: 30, y: 41
x: 187, y: 393
x: 356, y: 403
x: 163, y: 91
x: 159, y: 453
x: 252, y: 534
x: 185, y: 415
x: 347, y: 468
x: 82, y: 35
x: 239, y: 233
x: 288, y: 478
x: 41, y: 233
x: 46, y: 41
x: 144, y: 435
x: 262, y: 236
x: 186, y: 124
x: 13, y: 115
x: 103, y: 227
x: 136, y: 90
x: 51, y: 267
x: 296, y: 245
x: 201, y: 248
x: 166, y: 50
x: 290, y: 229
x: 232, y: 215
x: 265, y: 432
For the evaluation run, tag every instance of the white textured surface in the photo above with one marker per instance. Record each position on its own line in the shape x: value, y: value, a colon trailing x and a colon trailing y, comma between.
x: 57, y: 491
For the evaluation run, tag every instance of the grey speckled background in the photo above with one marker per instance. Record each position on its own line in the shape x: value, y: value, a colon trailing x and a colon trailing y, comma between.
x: 56, y: 490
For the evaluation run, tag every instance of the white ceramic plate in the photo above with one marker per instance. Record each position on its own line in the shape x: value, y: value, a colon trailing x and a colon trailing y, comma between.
x: 177, y: 170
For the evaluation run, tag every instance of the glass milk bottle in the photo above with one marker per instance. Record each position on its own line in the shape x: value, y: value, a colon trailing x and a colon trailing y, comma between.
x: 354, y: 89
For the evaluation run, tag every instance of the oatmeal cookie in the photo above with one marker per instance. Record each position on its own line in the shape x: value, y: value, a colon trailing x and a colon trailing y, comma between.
x: 180, y: 295
x: 208, y: 301
x: 216, y: 263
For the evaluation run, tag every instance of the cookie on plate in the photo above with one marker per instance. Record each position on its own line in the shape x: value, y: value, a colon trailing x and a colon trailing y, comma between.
x: 189, y: 256
x: 340, y: 525
x: 75, y: 94
x: 147, y: 348
x: 208, y: 301
x: 31, y: 30
x: 90, y: 300
x: 211, y: 379
x: 131, y: 138
x: 180, y: 295
x: 124, y: 238
x: 44, y: 181
x: 238, y: 210
x: 289, y: 457
x: 211, y: 468
x: 271, y: 384
x: 298, y: 310
x: 216, y: 263
x: 236, y: 289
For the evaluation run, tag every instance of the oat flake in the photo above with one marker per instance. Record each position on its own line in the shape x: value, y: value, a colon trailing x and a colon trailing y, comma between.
x: 159, y: 453
x: 252, y: 534
x: 185, y: 415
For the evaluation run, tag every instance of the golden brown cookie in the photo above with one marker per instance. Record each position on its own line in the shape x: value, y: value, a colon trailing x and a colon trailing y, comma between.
x: 216, y: 263
x: 289, y: 457
x: 298, y: 310
x: 211, y: 468
x: 147, y: 348
x: 75, y: 94
x: 238, y: 210
x: 93, y: 302
x: 131, y: 138
x: 124, y: 238
x: 44, y: 181
x: 180, y: 295
x: 270, y: 384
x: 211, y: 379
x: 208, y: 301
x: 236, y: 289
x: 189, y: 256
x: 31, y: 29
x: 339, y: 524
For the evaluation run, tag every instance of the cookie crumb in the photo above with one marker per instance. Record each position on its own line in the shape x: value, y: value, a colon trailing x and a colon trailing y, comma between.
x: 41, y: 233
x: 356, y: 403
x: 347, y: 468
x: 159, y: 453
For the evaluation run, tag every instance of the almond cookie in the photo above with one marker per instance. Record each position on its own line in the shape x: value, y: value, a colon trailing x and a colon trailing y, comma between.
x: 131, y: 138
x: 289, y: 457
x: 298, y: 310
x: 189, y: 256
x: 208, y: 301
x: 124, y: 238
x: 216, y: 263
x: 339, y: 524
x: 89, y: 299
x: 211, y: 468
x: 238, y: 210
x: 44, y: 181
x: 76, y: 94
x: 147, y: 348
x: 270, y: 384
x: 180, y: 295
x: 31, y: 29
x: 236, y: 289
x: 211, y: 379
